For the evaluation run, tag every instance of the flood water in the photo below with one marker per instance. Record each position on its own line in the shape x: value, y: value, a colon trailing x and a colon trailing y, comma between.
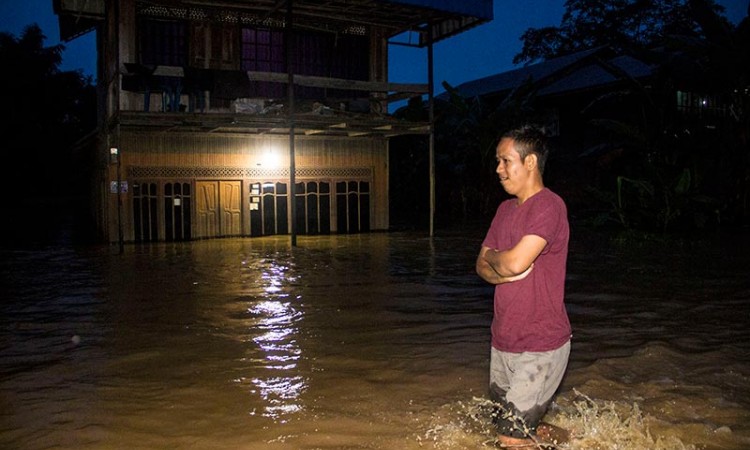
x: 376, y: 341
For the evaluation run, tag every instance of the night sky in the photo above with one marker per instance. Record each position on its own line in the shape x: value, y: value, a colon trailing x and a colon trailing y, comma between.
x: 479, y: 52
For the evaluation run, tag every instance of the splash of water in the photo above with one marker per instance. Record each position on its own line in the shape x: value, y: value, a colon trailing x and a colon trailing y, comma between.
x: 594, y: 425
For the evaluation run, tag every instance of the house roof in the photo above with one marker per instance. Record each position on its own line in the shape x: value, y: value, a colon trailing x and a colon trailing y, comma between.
x: 442, y: 18
x: 452, y: 16
x: 578, y: 71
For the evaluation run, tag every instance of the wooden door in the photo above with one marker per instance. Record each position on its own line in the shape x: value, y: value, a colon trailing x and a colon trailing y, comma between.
x: 218, y: 209
x: 206, y: 209
x: 230, y: 208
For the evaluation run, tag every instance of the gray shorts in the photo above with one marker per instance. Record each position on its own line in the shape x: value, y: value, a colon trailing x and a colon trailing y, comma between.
x: 523, y: 385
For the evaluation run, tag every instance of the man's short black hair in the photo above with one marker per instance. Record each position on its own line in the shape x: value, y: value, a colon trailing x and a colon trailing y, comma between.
x: 530, y: 139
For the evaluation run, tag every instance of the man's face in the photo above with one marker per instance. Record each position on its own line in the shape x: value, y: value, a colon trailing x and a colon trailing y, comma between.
x: 510, y: 168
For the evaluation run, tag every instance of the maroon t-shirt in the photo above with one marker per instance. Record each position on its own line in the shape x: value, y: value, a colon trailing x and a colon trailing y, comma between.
x: 530, y: 314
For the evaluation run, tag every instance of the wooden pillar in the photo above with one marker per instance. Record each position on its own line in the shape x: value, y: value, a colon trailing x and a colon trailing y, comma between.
x: 120, y: 233
x: 115, y: 133
x: 431, y: 104
x: 289, y: 53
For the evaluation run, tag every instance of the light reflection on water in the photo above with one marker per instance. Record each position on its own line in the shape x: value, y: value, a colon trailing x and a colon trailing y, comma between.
x: 364, y: 341
x: 276, y: 319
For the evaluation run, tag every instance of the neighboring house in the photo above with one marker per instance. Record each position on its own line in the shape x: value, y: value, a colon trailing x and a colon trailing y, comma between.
x: 563, y: 87
x: 599, y: 84
x: 564, y: 94
x: 201, y: 137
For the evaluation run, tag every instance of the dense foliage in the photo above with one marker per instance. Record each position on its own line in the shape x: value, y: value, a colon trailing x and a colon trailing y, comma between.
x: 624, y: 25
x: 46, y: 112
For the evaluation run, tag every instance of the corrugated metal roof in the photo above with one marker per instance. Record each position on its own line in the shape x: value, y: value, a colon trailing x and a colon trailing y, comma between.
x: 586, y: 70
x: 595, y: 75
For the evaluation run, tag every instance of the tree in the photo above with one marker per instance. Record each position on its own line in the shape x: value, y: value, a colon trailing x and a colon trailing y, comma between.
x: 624, y: 25
x: 45, y: 112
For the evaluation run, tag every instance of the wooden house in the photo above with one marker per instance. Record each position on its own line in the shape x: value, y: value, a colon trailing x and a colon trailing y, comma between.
x: 250, y: 117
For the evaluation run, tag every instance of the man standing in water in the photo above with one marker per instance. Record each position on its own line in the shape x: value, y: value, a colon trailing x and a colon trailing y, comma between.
x: 524, y: 255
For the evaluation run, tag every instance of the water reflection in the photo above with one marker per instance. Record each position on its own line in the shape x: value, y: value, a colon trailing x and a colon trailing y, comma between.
x: 273, y: 324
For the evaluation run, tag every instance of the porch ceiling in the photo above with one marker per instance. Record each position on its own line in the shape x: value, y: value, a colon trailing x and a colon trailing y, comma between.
x: 304, y: 124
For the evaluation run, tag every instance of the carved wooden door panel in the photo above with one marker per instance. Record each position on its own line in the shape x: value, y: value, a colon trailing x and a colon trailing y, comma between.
x: 230, y: 208
x: 206, y: 209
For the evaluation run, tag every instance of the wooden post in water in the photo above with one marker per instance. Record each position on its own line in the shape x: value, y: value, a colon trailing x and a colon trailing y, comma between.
x: 431, y: 104
x: 289, y: 49
x: 120, y: 234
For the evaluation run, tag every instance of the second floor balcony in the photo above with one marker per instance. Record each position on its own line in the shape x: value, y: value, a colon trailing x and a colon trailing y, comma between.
x: 239, y: 72
x: 216, y: 100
